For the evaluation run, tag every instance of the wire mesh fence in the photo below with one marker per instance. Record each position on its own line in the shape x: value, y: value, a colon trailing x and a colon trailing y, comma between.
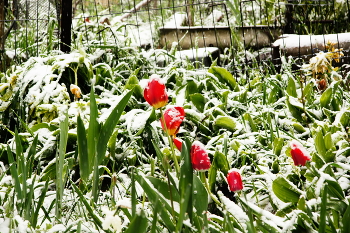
x: 234, y: 32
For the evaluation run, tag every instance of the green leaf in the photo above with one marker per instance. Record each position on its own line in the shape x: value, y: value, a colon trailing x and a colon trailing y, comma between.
x: 285, y: 190
x: 164, y: 189
x: 225, y: 122
x: 84, y: 165
x: 14, y: 173
x: 298, y: 127
x: 191, y: 88
x: 323, y: 212
x: 320, y: 143
x: 247, y: 117
x: 291, y: 88
x: 295, y: 108
x: 186, y: 178
x: 138, y: 224
x: 346, y: 223
x: 328, y: 141
x: 93, y: 131
x: 96, y: 218
x: 155, y: 198
x: 224, y: 76
x: 326, y: 97
x: 277, y: 145
x: 104, y: 135
x: 133, y: 84
x: 334, y: 189
x: 198, y: 101
x: 60, y: 164
x: 200, y: 196
x: 220, y: 162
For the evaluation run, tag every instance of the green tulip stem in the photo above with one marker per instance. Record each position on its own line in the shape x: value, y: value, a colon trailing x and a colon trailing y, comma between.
x: 177, y: 167
x: 206, y: 185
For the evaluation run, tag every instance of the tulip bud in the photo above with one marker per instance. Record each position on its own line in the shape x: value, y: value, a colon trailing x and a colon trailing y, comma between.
x: 155, y: 92
x: 199, y: 157
x: 75, y: 91
x: 234, y: 180
x: 178, y: 143
x: 173, y: 117
x: 299, y: 154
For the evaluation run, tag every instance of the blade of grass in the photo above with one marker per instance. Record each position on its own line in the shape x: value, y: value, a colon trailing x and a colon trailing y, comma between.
x: 88, y: 207
x: 323, y: 213
x: 40, y: 203
x: 14, y: 174
x: 60, y: 164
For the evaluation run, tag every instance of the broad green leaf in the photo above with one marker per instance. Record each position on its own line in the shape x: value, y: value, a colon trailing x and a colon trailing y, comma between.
x: 295, y: 108
x: 266, y: 226
x: 198, y: 101
x: 277, y: 145
x: 164, y: 189
x: 298, y: 127
x: 346, y: 223
x: 247, y: 117
x: 328, y: 141
x: 200, y: 196
x: 291, y: 87
x: 84, y: 165
x: 308, y: 91
x: 220, y: 162
x: 138, y: 224
x: 334, y: 189
x: 104, y: 135
x: 285, y: 190
x: 191, y: 88
x: 199, y: 123
x: 212, y: 177
x: 225, y: 122
x: 286, y: 209
x: 345, y: 119
x: 326, y: 97
x: 320, y: 143
x: 154, y: 198
x: 186, y: 178
x: 224, y: 76
x: 133, y: 84
x: 93, y: 131
x: 60, y: 164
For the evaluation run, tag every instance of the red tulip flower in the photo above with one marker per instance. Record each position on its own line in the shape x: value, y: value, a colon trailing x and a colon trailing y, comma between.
x: 178, y: 143
x: 173, y: 117
x: 155, y: 92
x: 299, y: 154
x: 234, y: 180
x: 199, y: 157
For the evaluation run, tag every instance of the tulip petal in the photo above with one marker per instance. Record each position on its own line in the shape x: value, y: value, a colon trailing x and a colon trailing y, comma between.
x: 155, y: 92
x: 173, y: 117
x: 299, y: 154
x: 234, y: 180
x: 199, y: 157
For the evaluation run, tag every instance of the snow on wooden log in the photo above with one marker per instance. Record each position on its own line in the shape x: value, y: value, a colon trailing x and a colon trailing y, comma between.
x: 176, y: 20
x: 299, y: 45
x: 214, y: 17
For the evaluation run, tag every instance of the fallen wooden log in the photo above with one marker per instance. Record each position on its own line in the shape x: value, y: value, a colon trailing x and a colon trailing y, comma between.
x: 306, y: 45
